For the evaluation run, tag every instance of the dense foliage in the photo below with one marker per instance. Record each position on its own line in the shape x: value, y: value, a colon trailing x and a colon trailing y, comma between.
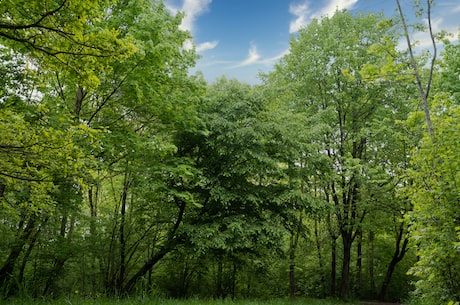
x: 123, y: 175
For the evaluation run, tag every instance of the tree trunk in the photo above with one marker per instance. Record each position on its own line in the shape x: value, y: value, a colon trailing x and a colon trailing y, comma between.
x: 424, y: 93
x: 61, y: 259
x: 122, y: 239
x: 333, y: 267
x: 320, y: 259
x: 359, y: 263
x: 8, y: 267
x: 294, y: 240
x: 400, y: 251
x: 81, y: 93
x: 345, y: 276
x: 169, y: 245
x: 292, y: 272
x: 371, y: 262
x: 25, y: 259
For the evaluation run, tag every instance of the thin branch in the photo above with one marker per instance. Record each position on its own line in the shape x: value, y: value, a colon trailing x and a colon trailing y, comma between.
x: 36, y: 24
x: 435, y: 50
x: 115, y: 89
x: 22, y: 178
x: 423, y: 93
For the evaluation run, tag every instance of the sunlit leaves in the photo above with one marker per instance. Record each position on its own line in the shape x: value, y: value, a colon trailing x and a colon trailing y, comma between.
x: 435, y: 196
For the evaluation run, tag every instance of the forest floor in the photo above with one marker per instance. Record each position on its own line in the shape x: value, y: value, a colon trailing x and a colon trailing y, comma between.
x: 377, y: 303
x: 146, y: 301
x: 155, y: 301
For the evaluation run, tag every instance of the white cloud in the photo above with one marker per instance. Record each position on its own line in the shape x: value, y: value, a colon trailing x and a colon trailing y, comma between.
x: 275, y: 58
x: 206, y: 46
x: 422, y: 39
x: 192, y: 9
x: 333, y: 6
x: 252, y: 58
x: 300, y: 11
x: 303, y: 14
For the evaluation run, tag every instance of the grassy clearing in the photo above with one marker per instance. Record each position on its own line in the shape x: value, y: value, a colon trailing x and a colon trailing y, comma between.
x: 144, y: 301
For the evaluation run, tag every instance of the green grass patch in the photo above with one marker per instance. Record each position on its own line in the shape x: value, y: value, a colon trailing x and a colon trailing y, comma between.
x: 148, y: 301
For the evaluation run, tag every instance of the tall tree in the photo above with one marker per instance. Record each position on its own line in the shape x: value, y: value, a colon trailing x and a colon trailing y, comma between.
x: 329, y: 72
x: 434, y: 194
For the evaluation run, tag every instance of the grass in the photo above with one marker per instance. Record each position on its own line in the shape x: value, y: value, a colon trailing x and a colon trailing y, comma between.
x: 147, y: 301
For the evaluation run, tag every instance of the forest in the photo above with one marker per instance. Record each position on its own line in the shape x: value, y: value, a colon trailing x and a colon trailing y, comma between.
x: 123, y: 174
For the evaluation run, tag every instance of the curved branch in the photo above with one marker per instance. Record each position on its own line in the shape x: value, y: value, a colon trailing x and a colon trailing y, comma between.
x: 423, y: 93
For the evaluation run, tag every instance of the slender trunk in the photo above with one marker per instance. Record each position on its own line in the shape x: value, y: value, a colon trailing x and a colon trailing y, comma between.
x: 292, y: 271
x: 359, y: 263
x: 294, y: 240
x: 25, y: 259
x: 320, y: 259
x: 60, y: 260
x: 424, y: 93
x: 371, y: 262
x: 398, y: 255
x: 8, y: 267
x: 333, y: 236
x: 81, y: 93
x: 169, y: 245
x: 234, y: 280
x: 219, y: 293
x: 345, y: 276
x: 93, y: 243
x: 333, y: 267
x: 93, y: 210
x: 122, y: 239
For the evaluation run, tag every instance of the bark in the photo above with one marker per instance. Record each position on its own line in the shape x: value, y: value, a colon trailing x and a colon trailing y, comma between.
x: 8, y: 267
x: 122, y: 239
x: 333, y: 267
x: 79, y: 101
x: 333, y: 236
x: 398, y: 255
x: 345, y: 279
x: 424, y: 93
x: 320, y: 258
x: 219, y: 282
x: 292, y: 272
x: 371, y: 262
x: 169, y: 245
x: 32, y: 243
x: 60, y: 261
x: 294, y: 241
x: 359, y: 263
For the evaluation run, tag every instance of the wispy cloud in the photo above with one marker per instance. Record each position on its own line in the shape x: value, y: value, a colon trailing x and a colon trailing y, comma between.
x: 303, y: 14
x: 206, y: 46
x: 422, y: 39
x: 252, y: 58
x: 334, y: 5
x: 191, y: 9
x: 275, y: 58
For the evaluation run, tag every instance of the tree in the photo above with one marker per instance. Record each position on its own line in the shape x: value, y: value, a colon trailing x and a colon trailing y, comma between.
x: 236, y: 153
x: 80, y: 62
x: 434, y: 194
x: 332, y: 75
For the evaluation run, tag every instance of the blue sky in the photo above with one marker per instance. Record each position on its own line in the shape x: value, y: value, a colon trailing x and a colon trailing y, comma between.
x: 240, y: 38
